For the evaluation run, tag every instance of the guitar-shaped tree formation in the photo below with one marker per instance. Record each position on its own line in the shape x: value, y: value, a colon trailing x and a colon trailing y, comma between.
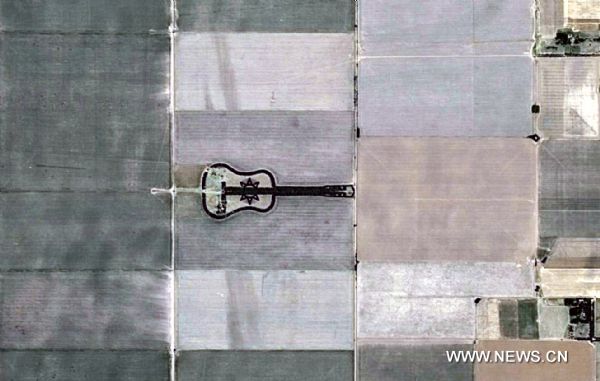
x: 226, y: 191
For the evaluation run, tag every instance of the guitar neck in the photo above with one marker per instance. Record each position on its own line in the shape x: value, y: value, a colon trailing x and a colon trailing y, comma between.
x: 324, y: 191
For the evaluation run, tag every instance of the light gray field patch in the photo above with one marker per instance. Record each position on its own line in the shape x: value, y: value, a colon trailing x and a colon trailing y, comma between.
x: 298, y: 147
x: 258, y: 71
x: 303, y: 233
x: 264, y: 310
x: 432, y: 199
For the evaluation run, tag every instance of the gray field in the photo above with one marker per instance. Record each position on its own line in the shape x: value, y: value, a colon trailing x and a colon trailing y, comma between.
x: 266, y: 365
x: 383, y: 316
x: 446, y: 199
x: 85, y: 310
x: 446, y: 27
x: 449, y: 279
x: 267, y: 16
x: 84, y: 112
x: 98, y: 16
x: 411, y: 360
x: 259, y: 310
x: 84, y: 365
x: 256, y: 71
x: 445, y: 96
x: 297, y: 147
x: 570, y: 188
x: 567, y: 92
x: 81, y: 231
x: 300, y: 233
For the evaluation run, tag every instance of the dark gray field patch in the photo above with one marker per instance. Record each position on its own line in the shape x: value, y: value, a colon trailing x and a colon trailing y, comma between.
x: 64, y: 16
x: 265, y: 365
x: 84, y: 365
x: 570, y: 188
x: 85, y: 310
x: 411, y: 361
x: 297, y: 16
x: 80, y: 231
x: 84, y: 112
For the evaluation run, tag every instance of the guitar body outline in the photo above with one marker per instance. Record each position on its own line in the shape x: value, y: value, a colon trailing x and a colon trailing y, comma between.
x: 239, y: 173
x: 227, y: 191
